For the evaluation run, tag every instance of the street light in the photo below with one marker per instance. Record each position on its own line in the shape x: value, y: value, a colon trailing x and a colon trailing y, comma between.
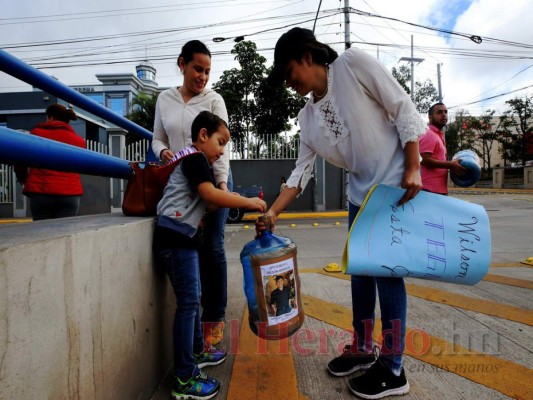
x: 237, y: 39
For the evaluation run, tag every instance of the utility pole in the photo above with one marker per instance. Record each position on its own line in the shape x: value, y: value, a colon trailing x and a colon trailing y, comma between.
x: 438, y: 81
x: 412, y: 60
x: 347, y: 43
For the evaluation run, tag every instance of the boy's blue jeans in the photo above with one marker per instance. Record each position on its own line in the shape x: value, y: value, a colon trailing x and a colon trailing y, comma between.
x: 214, y: 266
x: 393, y: 305
x: 182, y: 268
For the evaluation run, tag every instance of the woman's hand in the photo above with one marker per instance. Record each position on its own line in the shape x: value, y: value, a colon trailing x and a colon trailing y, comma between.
x: 260, y: 225
x: 166, y: 155
x: 412, y: 183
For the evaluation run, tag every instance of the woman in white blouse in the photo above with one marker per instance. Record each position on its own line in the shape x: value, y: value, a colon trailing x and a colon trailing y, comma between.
x: 360, y: 119
x: 175, y: 111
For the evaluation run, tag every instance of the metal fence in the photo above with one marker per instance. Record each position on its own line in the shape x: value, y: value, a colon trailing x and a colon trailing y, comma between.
x: 278, y: 147
x: 266, y: 147
x: 96, y: 146
x: 137, y: 150
x: 6, y: 183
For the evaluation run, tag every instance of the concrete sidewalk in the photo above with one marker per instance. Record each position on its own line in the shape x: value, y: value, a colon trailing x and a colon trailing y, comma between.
x: 464, y: 341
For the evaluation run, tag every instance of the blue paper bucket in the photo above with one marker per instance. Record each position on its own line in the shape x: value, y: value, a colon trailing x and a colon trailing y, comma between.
x: 434, y: 237
x: 470, y: 161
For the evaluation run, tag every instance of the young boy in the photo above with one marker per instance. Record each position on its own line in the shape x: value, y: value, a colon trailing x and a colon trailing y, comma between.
x: 188, y: 193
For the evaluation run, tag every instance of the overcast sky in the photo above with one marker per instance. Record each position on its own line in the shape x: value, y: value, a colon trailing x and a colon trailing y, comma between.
x: 124, y: 32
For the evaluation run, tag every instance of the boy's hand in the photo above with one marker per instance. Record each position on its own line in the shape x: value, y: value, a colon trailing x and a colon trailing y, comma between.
x: 256, y: 204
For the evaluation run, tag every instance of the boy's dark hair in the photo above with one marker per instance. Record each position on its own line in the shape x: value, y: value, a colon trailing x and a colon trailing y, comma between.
x: 430, y: 111
x: 279, y: 277
x: 207, y: 120
x: 61, y: 113
x: 192, y: 47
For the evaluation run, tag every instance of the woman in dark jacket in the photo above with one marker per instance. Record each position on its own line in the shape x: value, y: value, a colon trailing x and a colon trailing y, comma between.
x: 55, y: 194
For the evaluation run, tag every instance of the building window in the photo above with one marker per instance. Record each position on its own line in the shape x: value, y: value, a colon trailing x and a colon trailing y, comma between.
x: 118, y: 105
x: 98, y: 97
x: 146, y: 75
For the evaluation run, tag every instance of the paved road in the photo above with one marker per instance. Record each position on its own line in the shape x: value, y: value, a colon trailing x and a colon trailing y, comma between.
x: 467, y: 342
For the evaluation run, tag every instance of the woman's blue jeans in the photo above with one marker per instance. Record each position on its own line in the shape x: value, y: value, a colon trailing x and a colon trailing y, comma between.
x: 182, y: 268
x: 393, y: 305
x: 214, y: 266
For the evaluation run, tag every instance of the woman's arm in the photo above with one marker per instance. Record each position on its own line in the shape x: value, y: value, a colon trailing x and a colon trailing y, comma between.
x: 295, y: 185
x: 221, y: 166
x: 412, y: 180
x: 385, y: 89
x: 160, y: 143
x: 285, y: 198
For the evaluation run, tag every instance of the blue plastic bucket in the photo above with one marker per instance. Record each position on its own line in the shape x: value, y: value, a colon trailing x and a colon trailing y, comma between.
x: 469, y: 160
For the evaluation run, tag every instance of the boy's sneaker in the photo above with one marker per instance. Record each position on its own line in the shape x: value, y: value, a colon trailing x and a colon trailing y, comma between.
x: 379, y: 381
x: 199, y: 386
x: 209, y: 357
x: 349, y: 362
x: 213, y: 332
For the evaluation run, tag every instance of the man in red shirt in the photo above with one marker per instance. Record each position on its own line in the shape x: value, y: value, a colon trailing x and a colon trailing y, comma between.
x: 434, y: 165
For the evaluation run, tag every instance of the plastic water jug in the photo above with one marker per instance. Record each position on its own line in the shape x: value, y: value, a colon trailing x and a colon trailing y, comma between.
x: 470, y: 161
x: 272, y: 285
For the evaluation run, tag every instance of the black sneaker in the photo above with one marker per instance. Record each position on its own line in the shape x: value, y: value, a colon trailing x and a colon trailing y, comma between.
x: 349, y: 362
x: 379, y: 381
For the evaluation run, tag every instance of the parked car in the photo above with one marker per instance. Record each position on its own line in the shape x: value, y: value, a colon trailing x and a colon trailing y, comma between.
x: 235, y: 214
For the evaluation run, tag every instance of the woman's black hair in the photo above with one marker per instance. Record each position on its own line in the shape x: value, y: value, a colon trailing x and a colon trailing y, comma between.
x: 320, y: 52
x: 293, y: 45
x: 205, y: 119
x: 61, y: 113
x: 191, y: 48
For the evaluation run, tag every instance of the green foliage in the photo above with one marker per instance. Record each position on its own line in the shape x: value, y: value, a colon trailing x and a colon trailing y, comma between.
x: 254, y: 108
x: 459, y: 133
x: 143, y: 113
x: 403, y: 76
x: 425, y: 96
x: 485, y: 129
x: 482, y: 133
x: 425, y: 93
x: 516, y: 123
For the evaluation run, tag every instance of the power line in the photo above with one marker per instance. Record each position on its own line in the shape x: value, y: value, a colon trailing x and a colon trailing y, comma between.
x: 475, y: 38
x: 128, y: 11
x: 492, y: 97
x: 194, y: 28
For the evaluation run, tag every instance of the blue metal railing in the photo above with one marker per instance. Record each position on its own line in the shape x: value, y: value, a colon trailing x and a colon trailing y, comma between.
x: 18, y: 69
x: 31, y: 151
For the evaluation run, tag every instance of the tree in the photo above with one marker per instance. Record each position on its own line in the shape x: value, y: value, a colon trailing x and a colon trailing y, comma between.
x: 516, y: 123
x: 254, y: 108
x: 459, y: 133
x: 143, y: 113
x: 425, y: 93
x: 486, y: 135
